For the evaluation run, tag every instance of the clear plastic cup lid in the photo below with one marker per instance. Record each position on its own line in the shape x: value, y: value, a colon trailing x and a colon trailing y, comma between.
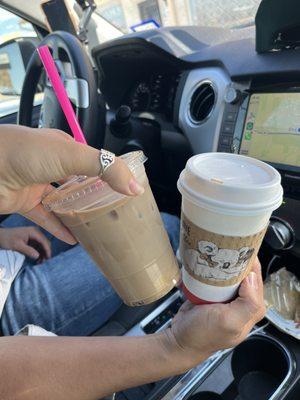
x: 81, y: 193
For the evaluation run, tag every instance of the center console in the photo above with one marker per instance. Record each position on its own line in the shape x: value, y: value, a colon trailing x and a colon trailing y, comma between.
x: 259, y: 368
x: 266, y: 366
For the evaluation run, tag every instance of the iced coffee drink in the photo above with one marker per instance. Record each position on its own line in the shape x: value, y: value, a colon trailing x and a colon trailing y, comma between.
x: 124, y: 235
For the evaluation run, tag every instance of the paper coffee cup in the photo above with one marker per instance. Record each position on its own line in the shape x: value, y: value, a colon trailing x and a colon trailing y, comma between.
x: 124, y: 235
x: 227, y: 201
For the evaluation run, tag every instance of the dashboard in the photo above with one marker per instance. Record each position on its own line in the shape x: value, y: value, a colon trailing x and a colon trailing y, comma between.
x: 212, y: 89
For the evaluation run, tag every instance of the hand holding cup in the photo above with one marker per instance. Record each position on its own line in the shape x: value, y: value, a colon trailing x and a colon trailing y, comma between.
x: 30, y: 159
x: 198, y: 331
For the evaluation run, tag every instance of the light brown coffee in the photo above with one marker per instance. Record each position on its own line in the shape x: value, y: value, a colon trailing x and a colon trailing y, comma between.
x: 127, y: 240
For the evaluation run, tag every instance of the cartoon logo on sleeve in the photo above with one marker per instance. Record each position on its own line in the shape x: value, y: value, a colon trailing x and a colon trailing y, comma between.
x: 216, y: 259
x: 214, y: 263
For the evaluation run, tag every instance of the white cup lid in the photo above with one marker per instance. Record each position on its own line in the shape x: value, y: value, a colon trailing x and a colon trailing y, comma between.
x: 231, y: 184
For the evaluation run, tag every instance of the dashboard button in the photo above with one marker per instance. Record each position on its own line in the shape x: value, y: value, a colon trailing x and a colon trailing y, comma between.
x: 226, y: 140
x: 232, y: 108
x: 224, y: 149
x: 228, y: 128
x: 230, y: 116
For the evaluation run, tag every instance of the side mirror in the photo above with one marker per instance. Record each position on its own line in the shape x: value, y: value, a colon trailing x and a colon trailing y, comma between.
x: 14, y: 57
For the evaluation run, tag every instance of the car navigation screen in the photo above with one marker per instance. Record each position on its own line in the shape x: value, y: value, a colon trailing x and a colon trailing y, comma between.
x: 272, y: 128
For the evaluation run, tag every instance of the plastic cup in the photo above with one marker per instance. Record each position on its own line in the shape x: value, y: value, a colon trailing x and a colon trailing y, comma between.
x: 227, y: 201
x: 124, y: 235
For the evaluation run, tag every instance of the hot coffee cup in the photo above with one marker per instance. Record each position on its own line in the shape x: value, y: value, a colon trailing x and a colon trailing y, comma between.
x: 227, y: 201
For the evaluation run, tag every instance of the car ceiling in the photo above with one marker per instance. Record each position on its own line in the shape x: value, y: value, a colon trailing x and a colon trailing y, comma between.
x: 32, y: 11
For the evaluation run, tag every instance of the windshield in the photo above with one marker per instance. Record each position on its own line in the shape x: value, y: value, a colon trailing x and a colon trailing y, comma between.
x: 127, y: 14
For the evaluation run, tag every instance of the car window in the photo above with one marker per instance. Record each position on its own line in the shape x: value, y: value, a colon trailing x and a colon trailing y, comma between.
x: 14, y: 32
x: 128, y: 14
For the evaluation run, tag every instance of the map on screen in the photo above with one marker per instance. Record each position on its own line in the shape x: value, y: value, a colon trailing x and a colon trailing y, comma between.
x: 272, y: 128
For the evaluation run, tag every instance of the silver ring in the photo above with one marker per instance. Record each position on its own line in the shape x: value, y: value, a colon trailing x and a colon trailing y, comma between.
x: 106, y: 159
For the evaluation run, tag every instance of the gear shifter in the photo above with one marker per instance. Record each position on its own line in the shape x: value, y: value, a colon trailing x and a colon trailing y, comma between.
x: 280, y: 235
x: 120, y: 126
x: 138, y: 134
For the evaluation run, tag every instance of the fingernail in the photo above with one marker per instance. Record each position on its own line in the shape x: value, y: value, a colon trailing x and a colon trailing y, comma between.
x: 252, y: 279
x: 35, y: 255
x: 135, y: 187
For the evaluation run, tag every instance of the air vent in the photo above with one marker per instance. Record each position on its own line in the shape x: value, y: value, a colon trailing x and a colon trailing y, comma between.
x: 202, y: 102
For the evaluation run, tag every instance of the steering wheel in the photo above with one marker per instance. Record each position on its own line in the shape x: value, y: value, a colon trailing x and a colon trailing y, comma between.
x: 77, y: 73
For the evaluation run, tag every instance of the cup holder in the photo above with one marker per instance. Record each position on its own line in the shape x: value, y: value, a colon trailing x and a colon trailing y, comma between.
x: 255, y: 369
x: 259, y: 365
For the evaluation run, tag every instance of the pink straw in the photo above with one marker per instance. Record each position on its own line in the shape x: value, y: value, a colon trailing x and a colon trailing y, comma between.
x: 61, y: 93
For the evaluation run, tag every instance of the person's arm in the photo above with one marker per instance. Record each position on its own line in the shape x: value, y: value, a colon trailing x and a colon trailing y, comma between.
x: 34, y: 368
x: 82, y: 369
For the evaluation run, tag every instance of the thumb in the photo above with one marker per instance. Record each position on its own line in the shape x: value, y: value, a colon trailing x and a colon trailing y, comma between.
x: 48, y: 155
x: 252, y: 287
x: 249, y: 307
x: 248, y: 291
x: 64, y: 157
x: 119, y: 177
x: 85, y: 160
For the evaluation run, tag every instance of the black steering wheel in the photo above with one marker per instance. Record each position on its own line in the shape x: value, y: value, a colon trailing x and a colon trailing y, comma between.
x: 77, y: 73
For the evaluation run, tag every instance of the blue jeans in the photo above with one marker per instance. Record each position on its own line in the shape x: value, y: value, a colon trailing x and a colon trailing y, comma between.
x: 67, y: 294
